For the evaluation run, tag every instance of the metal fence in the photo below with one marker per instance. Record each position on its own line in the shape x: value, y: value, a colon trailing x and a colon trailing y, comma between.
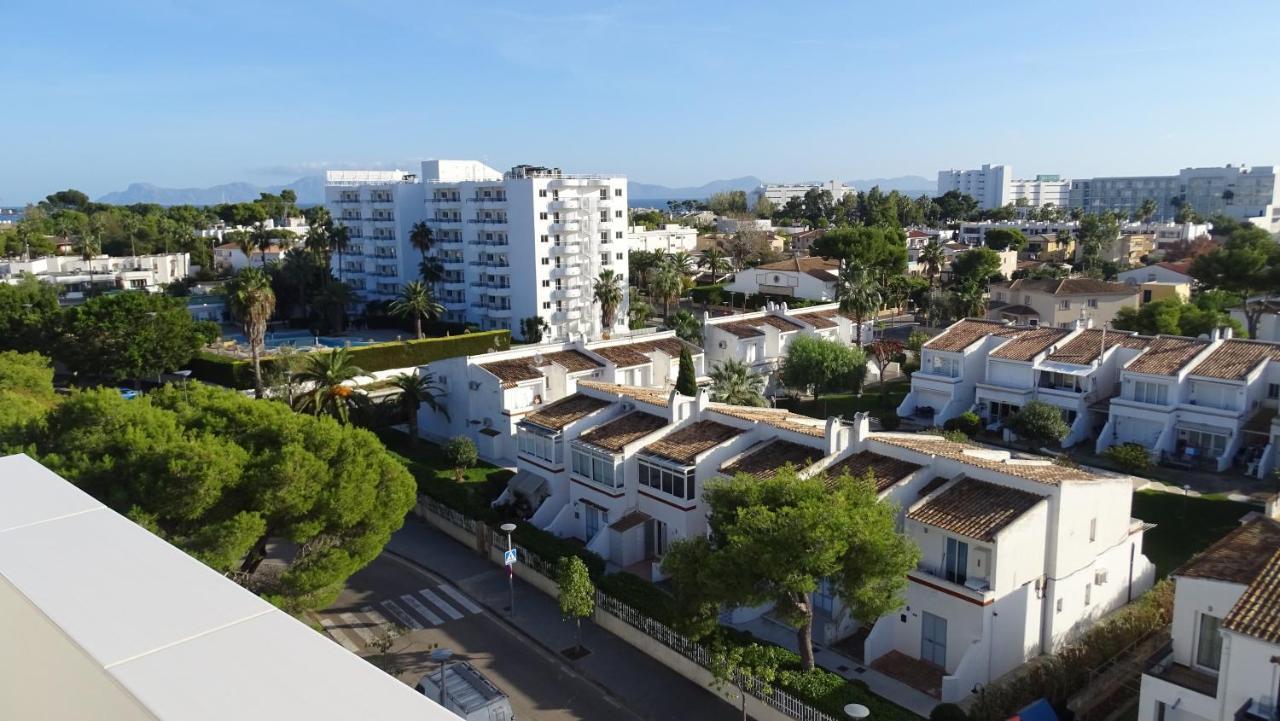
x: 453, y: 516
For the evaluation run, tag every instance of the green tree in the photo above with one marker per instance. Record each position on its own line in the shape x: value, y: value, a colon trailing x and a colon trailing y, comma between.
x: 533, y: 328
x: 823, y: 365
x: 429, y: 268
x: 733, y: 382
x: 968, y: 299
x: 252, y: 301
x: 326, y: 375
x: 687, y: 379
x: 1145, y: 211
x: 417, y: 390
x: 860, y: 294
x: 1247, y: 264
x: 462, y: 454
x: 978, y: 266
x: 1172, y: 316
x: 764, y: 208
x: 416, y: 301
x: 577, y: 595
x: 29, y: 315
x: 775, y: 540
x: 881, y: 250
x: 714, y: 262
x: 26, y: 394
x: 665, y: 284
x: 733, y: 202
x: 221, y: 476
x: 1096, y: 234
x: 607, y: 291
x: 638, y: 311
x: 1039, y: 423
x: 1005, y: 239
x: 954, y: 206
x: 932, y: 257
x: 687, y: 326
x: 131, y: 335
x: 737, y: 665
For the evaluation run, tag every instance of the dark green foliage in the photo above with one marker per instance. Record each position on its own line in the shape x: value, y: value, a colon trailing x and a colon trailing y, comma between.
x: 1171, y: 316
x: 687, y: 380
x: 641, y: 595
x: 889, y: 420
x: 224, y: 371
x: 26, y: 393
x: 881, y: 249
x: 823, y: 365
x: 1130, y: 457
x: 1005, y: 239
x: 978, y: 266
x: 967, y: 423
x: 220, y: 475
x: 435, y: 476
x: 1039, y: 422
x: 461, y: 454
x: 130, y: 335
x: 29, y: 315
x: 948, y: 712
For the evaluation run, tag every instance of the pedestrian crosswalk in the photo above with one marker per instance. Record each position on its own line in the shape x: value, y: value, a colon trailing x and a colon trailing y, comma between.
x: 425, y: 608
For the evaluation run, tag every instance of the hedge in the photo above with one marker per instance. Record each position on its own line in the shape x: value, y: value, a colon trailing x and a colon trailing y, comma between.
x: 551, y: 548
x: 238, y: 373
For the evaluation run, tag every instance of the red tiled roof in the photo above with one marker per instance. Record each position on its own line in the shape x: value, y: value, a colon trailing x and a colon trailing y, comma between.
x: 886, y: 470
x: 975, y: 509
x: 685, y: 445
x: 1030, y: 343
x: 565, y: 411
x: 1235, y: 359
x: 1166, y: 355
x: 764, y: 460
x: 617, y: 433
x: 964, y: 333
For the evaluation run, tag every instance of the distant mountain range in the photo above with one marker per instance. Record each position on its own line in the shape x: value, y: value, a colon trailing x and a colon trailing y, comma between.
x: 310, y: 190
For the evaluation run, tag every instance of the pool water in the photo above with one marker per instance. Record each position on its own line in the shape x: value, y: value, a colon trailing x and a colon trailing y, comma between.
x: 300, y: 339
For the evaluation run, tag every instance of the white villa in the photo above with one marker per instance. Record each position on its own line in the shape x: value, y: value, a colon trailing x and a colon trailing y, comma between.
x: 1223, y: 662
x: 1017, y: 554
x: 78, y: 278
x: 809, y: 278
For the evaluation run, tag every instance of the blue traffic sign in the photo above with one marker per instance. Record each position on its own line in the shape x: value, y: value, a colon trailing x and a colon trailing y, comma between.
x: 509, y: 557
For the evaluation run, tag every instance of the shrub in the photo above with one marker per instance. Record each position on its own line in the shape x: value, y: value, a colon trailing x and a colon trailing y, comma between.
x: 1130, y: 457
x: 948, y: 712
x: 1039, y: 422
x: 890, y: 421
x: 551, y: 548
x: 641, y: 595
x: 462, y: 454
x: 910, y: 365
x: 967, y: 423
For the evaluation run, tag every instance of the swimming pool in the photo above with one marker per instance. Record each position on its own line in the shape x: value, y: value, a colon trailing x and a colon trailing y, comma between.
x: 300, y: 339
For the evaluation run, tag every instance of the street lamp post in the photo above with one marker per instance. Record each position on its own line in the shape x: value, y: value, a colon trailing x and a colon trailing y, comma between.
x: 508, y: 528
x: 857, y: 711
x: 441, y: 656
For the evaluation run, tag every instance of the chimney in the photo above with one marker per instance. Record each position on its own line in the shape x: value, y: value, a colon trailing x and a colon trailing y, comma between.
x: 783, y: 307
x: 861, y: 428
x: 703, y: 399
x: 1273, y: 506
x: 1215, y: 334
x: 1227, y: 332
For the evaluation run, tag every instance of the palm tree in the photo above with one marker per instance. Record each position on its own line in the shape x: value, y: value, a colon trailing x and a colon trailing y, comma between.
x: 251, y: 300
x: 326, y: 373
x: 682, y: 261
x: 1147, y: 209
x: 332, y: 302
x: 245, y: 242
x: 666, y: 284
x: 608, y: 293
x: 715, y: 262
x: 686, y: 326
x: 932, y: 256
x: 417, y: 390
x: 339, y: 240
x: 859, y: 294
x: 733, y: 382
x: 969, y: 301
x: 261, y: 238
x: 417, y: 301
x: 421, y: 239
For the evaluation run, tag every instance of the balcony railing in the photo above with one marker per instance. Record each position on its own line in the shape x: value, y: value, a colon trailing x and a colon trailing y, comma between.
x: 489, y: 221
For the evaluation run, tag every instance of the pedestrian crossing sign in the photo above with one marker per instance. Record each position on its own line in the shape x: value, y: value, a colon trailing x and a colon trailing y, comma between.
x: 509, y: 557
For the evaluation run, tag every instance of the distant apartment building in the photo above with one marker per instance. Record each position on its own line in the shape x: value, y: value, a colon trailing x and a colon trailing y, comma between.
x: 1059, y: 302
x: 77, y: 278
x: 1238, y: 191
x: 231, y: 257
x: 528, y: 242
x: 780, y: 193
x: 670, y: 238
x: 1158, y: 273
x: 994, y: 186
x: 1221, y: 662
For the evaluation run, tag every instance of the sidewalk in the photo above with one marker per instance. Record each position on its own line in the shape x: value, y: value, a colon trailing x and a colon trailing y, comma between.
x: 648, y: 688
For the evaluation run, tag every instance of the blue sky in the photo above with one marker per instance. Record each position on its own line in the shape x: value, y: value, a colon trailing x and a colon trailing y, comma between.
x: 101, y: 94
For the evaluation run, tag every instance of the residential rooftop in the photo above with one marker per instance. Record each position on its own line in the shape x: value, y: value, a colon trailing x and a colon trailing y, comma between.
x: 886, y: 471
x: 776, y: 417
x: 975, y: 509
x: 1235, y: 359
x: 1069, y: 286
x: 627, y: 355
x: 1040, y: 471
x: 565, y: 411
x: 652, y: 396
x: 754, y: 327
x: 765, y: 460
x: 966, y: 332
x: 1086, y: 347
x: 616, y: 434
x: 1257, y: 611
x: 686, y: 444
x: 1238, y: 557
x: 514, y: 370
x: 1030, y: 343
x: 1166, y: 355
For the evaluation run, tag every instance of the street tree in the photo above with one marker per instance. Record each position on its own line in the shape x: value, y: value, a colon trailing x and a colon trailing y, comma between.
x: 252, y: 301
x: 1039, y: 423
x: 733, y: 382
x: 416, y: 301
x: 577, y: 595
x: 131, y: 335
x: 823, y: 365
x: 736, y: 665
x: 29, y: 315
x: 1247, y: 264
x: 773, y: 541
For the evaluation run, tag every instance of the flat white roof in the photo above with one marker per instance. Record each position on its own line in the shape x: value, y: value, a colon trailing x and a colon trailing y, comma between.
x: 183, y: 640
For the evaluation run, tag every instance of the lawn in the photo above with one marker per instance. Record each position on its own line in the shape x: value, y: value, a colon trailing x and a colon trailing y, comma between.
x: 846, y: 404
x: 1185, y: 525
x: 479, y: 487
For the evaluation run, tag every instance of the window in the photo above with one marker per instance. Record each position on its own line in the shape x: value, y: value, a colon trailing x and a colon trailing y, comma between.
x: 539, y: 446
x: 617, y: 256
x: 1209, y: 643
x: 955, y: 565
x: 1088, y: 593
x: 1209, y: 444
x: 617, y: 213
x: 604, y: 236
x: 1064, y: 305
x: 542, y: 193
x: 546, y: 284
x: 617, y: 235
x: 1058, y: 606
x: 1093, y: 530
x: 546, y: 305
x: 604, y: 194
x: 617, y: 192
x: 1273, y: 390
x: 678, y: 483
x: 1156, y: 393
x: 546, y: 261
x: 1093, y: 302
x: 542, y: 216
x: 604, y: 216
x: 596, y: 467
x: 545, y: 238
x: 138, y: 283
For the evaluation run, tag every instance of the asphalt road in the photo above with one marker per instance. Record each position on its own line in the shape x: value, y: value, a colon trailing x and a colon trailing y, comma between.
x: 434, y: 614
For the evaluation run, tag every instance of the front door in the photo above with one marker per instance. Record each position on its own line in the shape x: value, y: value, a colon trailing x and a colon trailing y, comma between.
x: 933, y: 639
x: 595, y: 519
x: 655, y: 539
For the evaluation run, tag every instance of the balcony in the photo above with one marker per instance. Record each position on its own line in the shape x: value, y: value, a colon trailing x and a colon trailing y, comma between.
x: 491, y: 263
x: 454, y: 283
x: 566, y: 294
x: 495, y: 312
x: 442, y: 201
x: 566, y: 271
x: 453, y: 263
x: 383, y: 219
x: 571, y: 226
x: 382, y: 201
x: 447, y: 242
x: 566, y: 249
x: 455, y: 304
x: 489, y: 221
x: 564, y: 316
x: 491, y: 199
x: 444, y: 220
x: 500, y: 242
x: 977, y: 589
x: 567, y: 204
x: 489, y: 285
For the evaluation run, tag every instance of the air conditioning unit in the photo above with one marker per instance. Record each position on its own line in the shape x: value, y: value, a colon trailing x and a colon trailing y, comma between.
x: 1099, y: 576
x: 628, y: 406
x: 723, y: 345
x: 474, y: 385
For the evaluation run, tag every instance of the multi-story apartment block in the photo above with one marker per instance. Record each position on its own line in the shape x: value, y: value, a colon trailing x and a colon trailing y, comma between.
x: 77, y: 278
x: 485, y: 396
x: 1241, y: 192
x: 1221, y: 664
x: 1017, y: 554
x: 994, y: 186
x: 511, y: 246
x: 1059, y: 303
x: 780, y: 193
x: 670, y: 238
x: 379, y: 209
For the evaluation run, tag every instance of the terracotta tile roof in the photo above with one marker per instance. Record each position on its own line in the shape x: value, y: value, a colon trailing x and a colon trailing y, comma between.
x: 887, y: 470
x: 1030, y: 343
x: 1165, y: 355
x: 1234, y: 359
x: 979, y: 457
x: 776, y: 417
x: 1070, y: 286
x: 1239, y: 556
x: 1087, y: 346
x: 964, y: 333
x: 617, y: 433
x: 1182, y: 267
x: 633, y: 354
x: 820, y: 318
x: 1257, y: 612
x: 802, y: 264
x: 651, y: 396
x: 764, y: 460
x: 975, y: 509
x: 686, y: 444
x: 565, y: 411
x: 514, y: 370
x: 572, y: 360
x: 752, y: 327
x: 629, y: 521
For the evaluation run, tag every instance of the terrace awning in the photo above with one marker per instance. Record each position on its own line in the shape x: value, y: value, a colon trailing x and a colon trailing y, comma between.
x: 1066, y: 369
x: 529, y: 485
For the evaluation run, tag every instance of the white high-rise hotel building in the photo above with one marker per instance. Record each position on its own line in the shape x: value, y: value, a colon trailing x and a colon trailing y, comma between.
x: 529, y: 242
x: 994, y: 186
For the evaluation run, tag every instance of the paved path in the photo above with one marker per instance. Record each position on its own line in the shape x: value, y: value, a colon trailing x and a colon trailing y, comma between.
x: 648, y: 689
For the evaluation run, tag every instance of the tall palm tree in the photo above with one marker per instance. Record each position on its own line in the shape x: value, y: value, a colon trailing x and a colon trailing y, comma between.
x: 608, y: 293
x: 714, y: 262
x: 339, y: 241
x: 417, y: 390
x: 245, y: 242
x: 932, y: 257
x: 252, y: 301
x: 682, y: 261
x: 326, y: 373
x: 666, y: 284
x: 686, y: 326
x: 969, y: 301
x: 261, y: 239
x: 859, y: 294
x: 417, y: 301
x: 1146, y: 210
x: 733, y: 382
x: 421, y: 239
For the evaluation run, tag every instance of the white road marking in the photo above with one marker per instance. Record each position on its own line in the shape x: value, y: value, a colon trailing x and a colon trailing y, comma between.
x: 339, y: 636
x: 441, y: 604
x: 408, y: 621
x: 461, y: 598
x: 377, y: 618
x: 422, y: 610
x: 357, y: 626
